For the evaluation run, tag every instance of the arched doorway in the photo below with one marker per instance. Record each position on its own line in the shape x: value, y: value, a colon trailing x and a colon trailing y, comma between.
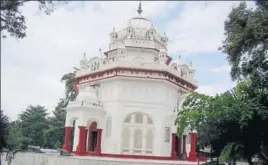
x: 141, y: 126
x: 92, y: 137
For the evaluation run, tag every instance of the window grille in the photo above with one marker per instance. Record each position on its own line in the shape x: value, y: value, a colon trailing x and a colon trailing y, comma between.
x: 167, y: 134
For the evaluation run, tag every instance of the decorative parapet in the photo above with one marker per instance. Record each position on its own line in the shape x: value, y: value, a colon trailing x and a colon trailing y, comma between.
x: 152, y: 66
x: 85, y: 103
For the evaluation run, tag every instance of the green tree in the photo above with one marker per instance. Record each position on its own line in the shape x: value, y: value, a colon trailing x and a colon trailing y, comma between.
x: 70, y: 94
x: 246, y: 46
x: 4, y: 126
x: 12, y: 20
x: 14, y: 135
x: 231, y: 124
x: 33, y: 123
x: 54, y: 135
x: 246, y: 43
x: 16, y: 140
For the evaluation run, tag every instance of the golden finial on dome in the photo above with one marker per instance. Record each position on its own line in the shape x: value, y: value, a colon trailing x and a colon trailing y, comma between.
x: 139, y: 9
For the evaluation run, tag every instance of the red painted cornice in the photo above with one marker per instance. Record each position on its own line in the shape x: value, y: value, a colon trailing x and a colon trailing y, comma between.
x: 98, y: 75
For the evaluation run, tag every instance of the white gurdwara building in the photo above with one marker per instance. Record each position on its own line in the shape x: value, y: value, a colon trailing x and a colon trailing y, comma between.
x: 127, y: 99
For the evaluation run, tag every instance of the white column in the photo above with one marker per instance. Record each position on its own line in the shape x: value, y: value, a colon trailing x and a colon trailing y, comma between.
x: 144, y: 132
x: 158, y: 136
x: 76, y: 136
x: 131, y: 141
x: 81, y: 121
x: 116, y: 134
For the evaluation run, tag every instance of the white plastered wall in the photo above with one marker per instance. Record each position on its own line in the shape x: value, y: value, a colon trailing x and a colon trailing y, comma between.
x: 123, y: 97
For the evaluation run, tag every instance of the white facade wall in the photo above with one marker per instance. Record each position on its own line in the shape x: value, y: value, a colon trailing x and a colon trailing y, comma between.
x: 124, y: 96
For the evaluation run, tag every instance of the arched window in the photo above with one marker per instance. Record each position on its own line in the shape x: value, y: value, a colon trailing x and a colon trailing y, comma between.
x: 149, y: 121
x: 127, y: 119
x: 141, y: 139
x: 98, y: 65
x: 139, y: 118
x: 167, y: 134
x: 95, y: 65
x: 137, y: 141
x: 109, y: 126
x: 149, y: 141
x: 126, y: 140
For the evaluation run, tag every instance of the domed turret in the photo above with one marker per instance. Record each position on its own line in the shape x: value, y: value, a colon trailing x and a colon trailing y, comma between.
x: 113, y: 35
x: 162, y: 56
x: 164, y: 39
x: 83, y: 63
x: 191, y: 70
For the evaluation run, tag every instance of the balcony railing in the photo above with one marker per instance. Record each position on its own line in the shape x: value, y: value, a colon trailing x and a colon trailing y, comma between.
x: 90, y: 103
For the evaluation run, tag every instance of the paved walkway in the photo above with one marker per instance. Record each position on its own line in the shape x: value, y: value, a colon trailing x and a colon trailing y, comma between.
x: 43, y: 159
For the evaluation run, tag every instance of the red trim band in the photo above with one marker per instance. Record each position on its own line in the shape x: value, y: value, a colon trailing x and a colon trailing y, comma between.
x: 170, y: 76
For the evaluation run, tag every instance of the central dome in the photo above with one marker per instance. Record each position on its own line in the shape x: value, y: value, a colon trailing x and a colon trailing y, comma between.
x: 139, y: 32
x: 140, y: 22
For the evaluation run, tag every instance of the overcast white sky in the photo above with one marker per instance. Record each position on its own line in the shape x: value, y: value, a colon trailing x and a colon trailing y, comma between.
x: 31, y: 68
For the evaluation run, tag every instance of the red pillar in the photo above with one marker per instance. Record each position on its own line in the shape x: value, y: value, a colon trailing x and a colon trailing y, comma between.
x: 173, y: 149
x: 81, y: 147
x: 184, y: 146
x: 192, y: 153
x: 66, y: 145
x: 98, y: 147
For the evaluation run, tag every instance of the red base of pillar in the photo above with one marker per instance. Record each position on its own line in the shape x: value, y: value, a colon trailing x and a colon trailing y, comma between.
x: 173, y: 155
x: 97, y: 151
x: 173, y: 143
x: 65, y: 148
x: 192, y: 157
x: 81, y: 148
x: 202, y: 158
x: 80, y: 151
x: 66, y: 145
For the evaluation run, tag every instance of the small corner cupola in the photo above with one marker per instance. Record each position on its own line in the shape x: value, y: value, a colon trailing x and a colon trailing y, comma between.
x: 113, y: 35
x: 151, y: 32
x: 192, y: 70
x: 162, y: 56
x: 164, y: 39
x: 83, y: 62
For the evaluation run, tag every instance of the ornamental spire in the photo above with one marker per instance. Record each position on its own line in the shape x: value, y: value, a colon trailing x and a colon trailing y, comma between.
x: 139, y: 9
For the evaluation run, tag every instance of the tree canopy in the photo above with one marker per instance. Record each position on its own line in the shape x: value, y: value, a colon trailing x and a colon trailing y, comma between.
x: 12, y: 20
x: 33, y: 122
x: 246, y: 46
x: 234, y: 124
x: 232, y: 120
x: 4, y: 125
x: 35, y: 127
